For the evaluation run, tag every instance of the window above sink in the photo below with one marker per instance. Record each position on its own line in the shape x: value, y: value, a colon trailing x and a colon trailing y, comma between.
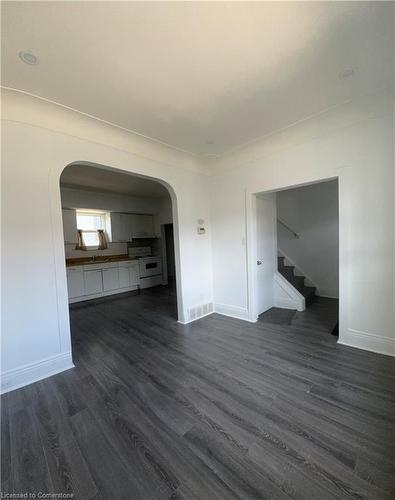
x: 89, y: 222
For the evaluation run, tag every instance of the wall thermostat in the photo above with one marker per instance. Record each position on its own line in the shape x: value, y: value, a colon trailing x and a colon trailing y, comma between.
x: 201, y: 229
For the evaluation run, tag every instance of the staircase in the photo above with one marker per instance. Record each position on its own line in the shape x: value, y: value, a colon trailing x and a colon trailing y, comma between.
x: 297, y: 282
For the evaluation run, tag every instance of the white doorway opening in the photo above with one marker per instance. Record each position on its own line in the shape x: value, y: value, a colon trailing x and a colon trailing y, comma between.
x: 102, y: 190
x: 278, y: 257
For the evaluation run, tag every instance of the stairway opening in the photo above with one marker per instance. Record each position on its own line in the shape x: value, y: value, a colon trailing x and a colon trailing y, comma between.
x: 297, y: 257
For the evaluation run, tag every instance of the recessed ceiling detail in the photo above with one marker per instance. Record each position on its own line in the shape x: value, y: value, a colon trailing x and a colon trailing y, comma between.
x: 185, y: 72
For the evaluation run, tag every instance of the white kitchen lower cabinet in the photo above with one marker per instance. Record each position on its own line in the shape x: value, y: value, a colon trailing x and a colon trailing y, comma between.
x: 75, y: 282
x: 124, y: 279
x: 129, y: 274
x: 110, y: 279
x: 134, y: 275
x: 93, y: 281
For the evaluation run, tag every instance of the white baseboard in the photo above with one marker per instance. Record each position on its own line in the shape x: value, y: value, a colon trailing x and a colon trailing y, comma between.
x: 84, y: 298
x: 368, y: 342
x: 27, y: 374
x: 232, y: 311
x: 327, y: 294
x: 195, y: 319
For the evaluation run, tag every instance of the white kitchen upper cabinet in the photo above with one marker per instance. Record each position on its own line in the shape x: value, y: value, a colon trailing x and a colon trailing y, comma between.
x: 110, y: 279
x: 142, y: 226
x: 69, y: 225
x: 118, y: 229
x: 127, y: 220
x: 75, y: 282
x: 125, y: 227
x: 93, y: 281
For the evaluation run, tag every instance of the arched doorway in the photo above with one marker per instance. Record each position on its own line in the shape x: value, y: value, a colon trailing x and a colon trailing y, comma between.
x: 115, y: 195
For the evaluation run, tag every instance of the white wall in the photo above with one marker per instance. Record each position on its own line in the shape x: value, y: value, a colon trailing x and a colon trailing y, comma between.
x: 113, y: 249
x: 112, y: 202
x: 39, y: 140
x: 313, y: 213
x: 354, y: 143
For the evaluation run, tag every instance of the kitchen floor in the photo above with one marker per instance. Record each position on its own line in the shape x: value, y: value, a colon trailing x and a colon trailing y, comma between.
x: 219, y: 408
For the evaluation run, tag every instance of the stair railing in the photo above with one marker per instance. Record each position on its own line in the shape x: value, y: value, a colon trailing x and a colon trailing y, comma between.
x: 282, y: 223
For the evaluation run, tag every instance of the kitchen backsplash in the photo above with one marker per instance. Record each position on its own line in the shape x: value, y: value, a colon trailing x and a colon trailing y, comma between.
x: 113, y: 249
x: 154, y: 243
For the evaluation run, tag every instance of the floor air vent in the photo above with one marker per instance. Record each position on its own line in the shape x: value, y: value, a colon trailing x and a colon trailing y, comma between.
x: 200, y: 311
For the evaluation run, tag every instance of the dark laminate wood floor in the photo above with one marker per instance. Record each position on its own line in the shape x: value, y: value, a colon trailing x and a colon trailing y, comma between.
x: 216, y: 409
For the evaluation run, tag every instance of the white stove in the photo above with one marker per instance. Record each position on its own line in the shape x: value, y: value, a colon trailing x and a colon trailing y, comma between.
x: 150, y: 265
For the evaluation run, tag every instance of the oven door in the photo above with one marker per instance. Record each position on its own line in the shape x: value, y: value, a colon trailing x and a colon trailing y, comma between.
x: 150, y: 266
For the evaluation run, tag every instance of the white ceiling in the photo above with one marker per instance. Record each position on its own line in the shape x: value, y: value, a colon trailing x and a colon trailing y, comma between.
x: 205, y: 77
x: 101, y: 179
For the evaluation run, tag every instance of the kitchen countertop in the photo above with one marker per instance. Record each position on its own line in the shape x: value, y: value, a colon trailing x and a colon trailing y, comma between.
x: 102, y: 259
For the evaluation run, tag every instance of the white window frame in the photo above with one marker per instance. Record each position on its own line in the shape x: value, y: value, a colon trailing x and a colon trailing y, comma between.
x: 103, y: 215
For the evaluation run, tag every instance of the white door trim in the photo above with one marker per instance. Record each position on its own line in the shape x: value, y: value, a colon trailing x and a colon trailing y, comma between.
x: 251, y: 254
